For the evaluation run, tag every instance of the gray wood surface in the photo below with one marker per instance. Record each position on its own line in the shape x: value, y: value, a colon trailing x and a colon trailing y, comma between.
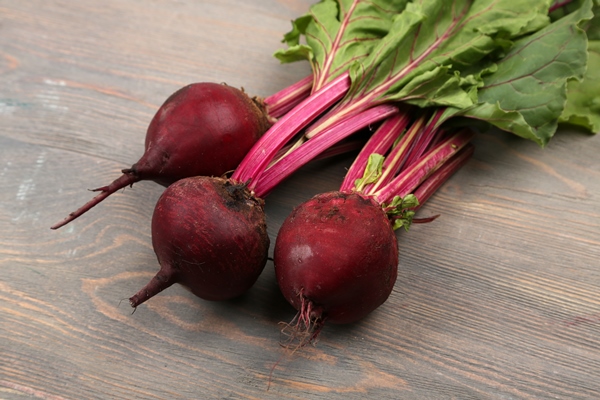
x: 498, y: 298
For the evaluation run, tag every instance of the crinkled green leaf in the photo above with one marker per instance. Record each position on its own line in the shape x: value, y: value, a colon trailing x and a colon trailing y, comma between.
x: 404, y: 222
x: 440, y: 86
x: 593, y: 27
x: 431, y: 39
x: 295, y: 51
x: 338, y: 33
x: 372, y: 172
x: 527, y: 93
x: 400, y: 211
x: 583, y: 98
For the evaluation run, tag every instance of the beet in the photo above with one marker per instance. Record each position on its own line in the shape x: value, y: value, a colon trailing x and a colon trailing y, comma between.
x: 203, y: 129
x: 336, y: 259
x: 336, y: 255
x: 210, y: 236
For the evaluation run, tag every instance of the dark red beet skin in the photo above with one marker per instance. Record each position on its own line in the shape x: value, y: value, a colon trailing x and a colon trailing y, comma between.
x: 203, y: 129
x: 208, y: 235
x: 336, y: 257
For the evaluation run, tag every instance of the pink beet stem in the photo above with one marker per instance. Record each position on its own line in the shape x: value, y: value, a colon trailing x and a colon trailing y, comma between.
x: 431, y: 129
x: 439, y: 177
x: 278, y: 104
x: 263, y: 152
x: 379, y: 143
x: 128, y: 178
x: 307, y: 151
x: 399, y: 154
x: 559, y: 4
x: 415, y: 174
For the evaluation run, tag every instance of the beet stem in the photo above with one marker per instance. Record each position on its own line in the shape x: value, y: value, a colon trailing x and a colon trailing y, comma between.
x: 310, y: 149
x: 128, y: 178
x: 415, y: 174
x: 262, y: 153
x: 379, y: 143
x: 426, y: 137
x: 559, y: 4
x: 280, y: 103
x: 439, y: 177
x: 399, y: 154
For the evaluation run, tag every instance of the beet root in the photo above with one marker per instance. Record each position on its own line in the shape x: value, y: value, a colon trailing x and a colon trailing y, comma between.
x: 209, y: 235
x: 336, y: 259
x: 203, y: 129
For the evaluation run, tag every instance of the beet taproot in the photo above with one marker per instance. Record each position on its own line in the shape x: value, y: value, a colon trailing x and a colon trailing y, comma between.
x: 336, y: 255
x: 336, y: 259
x: 209, y: 235
x: 203, y: 129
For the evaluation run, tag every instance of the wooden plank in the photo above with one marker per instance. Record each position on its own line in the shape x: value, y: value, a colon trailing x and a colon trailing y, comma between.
x: 498, y: 298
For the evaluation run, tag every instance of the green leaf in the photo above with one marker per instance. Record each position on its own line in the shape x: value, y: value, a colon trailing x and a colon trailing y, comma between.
x: 338, y: 33
x: 373, y: 171
x: 527, y: 93
x: 437, y: 86
x: 400, y: 211
x: 583, y: 98
x: 593, y: 27
x: 404, y: 222
x: 295, y: 51
x: 299, y: 25
x: 432, y: 39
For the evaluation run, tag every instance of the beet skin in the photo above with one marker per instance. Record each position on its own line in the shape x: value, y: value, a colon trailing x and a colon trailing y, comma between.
x: 203, y: 129
x: 208, y: 235
x: 336, y: 258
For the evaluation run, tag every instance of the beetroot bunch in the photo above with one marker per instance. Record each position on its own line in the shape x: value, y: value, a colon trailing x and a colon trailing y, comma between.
x: 414, y: 76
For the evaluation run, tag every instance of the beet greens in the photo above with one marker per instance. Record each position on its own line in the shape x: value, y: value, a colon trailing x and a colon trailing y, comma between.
x: 462, y: 62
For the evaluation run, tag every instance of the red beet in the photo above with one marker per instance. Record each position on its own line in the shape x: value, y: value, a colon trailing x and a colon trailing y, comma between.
x: 336, y: 255
x: 210, y: 236
x: 203, y: 129
x: 336, y: 259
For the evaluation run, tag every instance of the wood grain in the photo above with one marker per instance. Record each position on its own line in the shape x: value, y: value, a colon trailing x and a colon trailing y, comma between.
x: 498, y: 298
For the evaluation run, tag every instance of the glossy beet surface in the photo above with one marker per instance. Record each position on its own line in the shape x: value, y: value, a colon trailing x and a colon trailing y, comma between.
x: 338, y: 254
x: 203, y: 129
x: 208, y: 235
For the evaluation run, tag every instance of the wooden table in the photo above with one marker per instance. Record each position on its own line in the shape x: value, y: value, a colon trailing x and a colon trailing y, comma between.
x: 498, y: 298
